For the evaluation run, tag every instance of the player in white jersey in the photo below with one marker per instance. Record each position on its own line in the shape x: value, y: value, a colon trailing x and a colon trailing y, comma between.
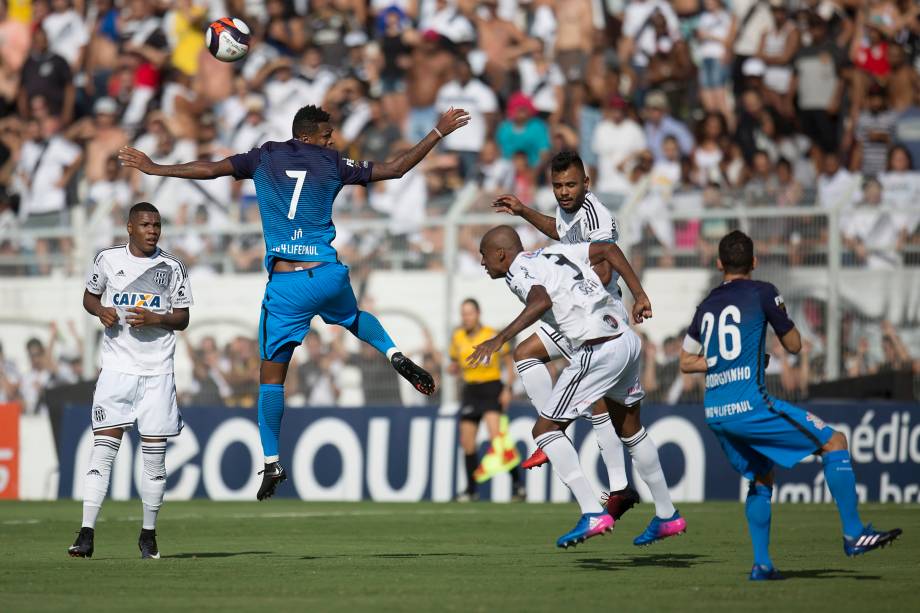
x: 559, y: 285
x: 580, y: 218
x: 141, y: 294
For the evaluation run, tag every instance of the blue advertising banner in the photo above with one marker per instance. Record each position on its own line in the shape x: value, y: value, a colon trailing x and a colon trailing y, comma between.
x: 411, y: 454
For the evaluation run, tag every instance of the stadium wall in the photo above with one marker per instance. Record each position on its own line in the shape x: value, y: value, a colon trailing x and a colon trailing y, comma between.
x: 398, y: 454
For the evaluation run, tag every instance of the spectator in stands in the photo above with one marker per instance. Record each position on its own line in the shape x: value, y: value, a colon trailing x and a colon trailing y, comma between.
x: 392, y: 31
x: 837, y: 187
x: 66, y: 32
x: 708, y: 155
x: 44, y: 372
x: 313, y: 377
x: 872, y: 134
x: 9, y: 379
x: 100, y: 136
x: 778, y: 47
x: 285, y: 29
x: 543, y: 82
x: 496, y: 174
x: 874, y: 236
x: 47, y: 164
x: 617, y: 138
x: 819, y: 86
x: 109, y: 199
x: 896, y: 356
x: 659, y: 124
x: 247, y: 250
x: 641, y: 41
x: 715, y: 31
x: 242, y: 373
x: 502, y: 43
x: 754, y: 19
x: 209, y: 387
x: 431, y: 67
x: 907, y: 130
x: 903, y: 80
x: 469, y: 93
x: 48, y: 76
x: 523, y: 131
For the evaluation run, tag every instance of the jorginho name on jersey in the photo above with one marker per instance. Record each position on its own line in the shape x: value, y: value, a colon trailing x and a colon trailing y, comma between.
x: 730, y: 330
x: 160, y: 284
x: 296, y: 184
x: 582, y: 308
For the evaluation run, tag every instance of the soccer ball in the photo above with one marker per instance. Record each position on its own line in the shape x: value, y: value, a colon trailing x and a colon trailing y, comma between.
x: 227, y: 39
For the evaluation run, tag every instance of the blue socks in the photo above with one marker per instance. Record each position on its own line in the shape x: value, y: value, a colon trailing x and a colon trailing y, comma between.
x: 369, y: 329
x: 838, y: 473
x: 271, y: 408
x: 757, y: 511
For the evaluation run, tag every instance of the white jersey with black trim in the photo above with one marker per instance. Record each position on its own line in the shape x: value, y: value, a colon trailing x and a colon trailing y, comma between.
x: 158, y: 283
x: 582, y: 308
x: 591, y: 222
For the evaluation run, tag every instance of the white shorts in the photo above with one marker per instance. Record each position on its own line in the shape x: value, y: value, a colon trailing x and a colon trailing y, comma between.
x: 610, y: 370
x: 121, y: 399
x: 556, y: 345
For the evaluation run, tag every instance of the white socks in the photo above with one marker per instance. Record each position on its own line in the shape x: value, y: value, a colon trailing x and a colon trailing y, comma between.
x: 536, y: 380
x: 645, y: 458
x: 611, y: 450
x: 564, y: 458
x: 96, y: 484
x: 153, y: 483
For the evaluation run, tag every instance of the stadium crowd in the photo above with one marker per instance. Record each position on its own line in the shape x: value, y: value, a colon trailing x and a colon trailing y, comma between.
x: 674, y: 106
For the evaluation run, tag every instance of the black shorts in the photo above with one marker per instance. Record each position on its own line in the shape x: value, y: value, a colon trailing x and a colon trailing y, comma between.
x: 479, y: 398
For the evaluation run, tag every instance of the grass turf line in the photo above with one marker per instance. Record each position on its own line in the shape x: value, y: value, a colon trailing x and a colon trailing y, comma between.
x: 290, y: 555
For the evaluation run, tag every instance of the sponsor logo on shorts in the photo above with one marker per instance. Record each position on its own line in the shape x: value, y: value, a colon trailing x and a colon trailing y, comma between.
x: 817, y: 421
x: 151, y: 301
x: 98, y: 414
x: 161, y: 277
x: 611, y: 321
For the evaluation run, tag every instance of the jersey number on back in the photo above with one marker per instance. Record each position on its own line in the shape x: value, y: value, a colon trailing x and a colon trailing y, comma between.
x: 728, y: 334
x: 561, y: 260
x: 301, y: 176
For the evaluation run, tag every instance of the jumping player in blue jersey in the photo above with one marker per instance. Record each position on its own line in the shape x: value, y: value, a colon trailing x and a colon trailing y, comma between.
x: 726, y: 341
x: 296, y: 183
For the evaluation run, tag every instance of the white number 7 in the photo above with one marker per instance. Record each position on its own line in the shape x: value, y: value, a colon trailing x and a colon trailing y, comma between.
x: 300, y: 175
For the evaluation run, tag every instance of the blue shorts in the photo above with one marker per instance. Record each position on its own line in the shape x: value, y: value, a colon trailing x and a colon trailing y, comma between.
x: 778, y: 434
x: 291, y: 301
x: 713, y: 73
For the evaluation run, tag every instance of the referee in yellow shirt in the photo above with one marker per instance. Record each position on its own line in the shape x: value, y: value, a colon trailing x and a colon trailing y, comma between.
x: 484, y: 396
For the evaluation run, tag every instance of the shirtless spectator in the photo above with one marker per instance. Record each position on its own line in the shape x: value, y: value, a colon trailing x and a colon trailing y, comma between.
x: 432, y: 66
x: 100, y: 136
x: 574, y: 37
x: 903, y: 81
x: 502, y: 42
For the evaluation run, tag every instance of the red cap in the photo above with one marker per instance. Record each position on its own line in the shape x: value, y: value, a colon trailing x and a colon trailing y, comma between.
x: 520, y: 101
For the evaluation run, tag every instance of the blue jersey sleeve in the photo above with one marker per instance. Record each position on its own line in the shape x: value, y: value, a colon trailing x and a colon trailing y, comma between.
x: 245, y: 164
x: 693, y: 341
x: 354, y: 173
x: 775, y: 309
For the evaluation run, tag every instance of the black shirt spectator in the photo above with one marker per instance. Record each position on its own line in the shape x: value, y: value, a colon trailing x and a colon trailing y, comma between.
x: 43, y: 75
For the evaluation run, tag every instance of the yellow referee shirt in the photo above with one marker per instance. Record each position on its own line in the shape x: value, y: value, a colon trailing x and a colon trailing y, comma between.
x: 461, y: 348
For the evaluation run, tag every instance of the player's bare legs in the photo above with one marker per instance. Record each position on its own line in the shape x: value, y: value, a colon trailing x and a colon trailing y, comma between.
x: 667, y: 521
x: 530, y: 358
x: 550, y: 436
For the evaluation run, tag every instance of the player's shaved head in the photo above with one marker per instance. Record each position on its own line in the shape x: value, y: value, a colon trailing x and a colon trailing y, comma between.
x: 502, y: 237
x: 736, y: 253
x: 499, y: 247
x: 141, y: 207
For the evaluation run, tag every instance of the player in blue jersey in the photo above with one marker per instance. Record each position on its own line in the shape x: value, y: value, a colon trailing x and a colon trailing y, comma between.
x: 726, y: 341
x: 296, y: 183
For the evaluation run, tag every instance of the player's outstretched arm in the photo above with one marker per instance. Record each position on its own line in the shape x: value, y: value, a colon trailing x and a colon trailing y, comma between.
x: 538, y: 303
x: 509, y: 203
x: 133, y: 158
x: 791, y: 341
x: 93, y: 305
x: 613, y: 255
x: 452, y: 120
x: 142, y: 318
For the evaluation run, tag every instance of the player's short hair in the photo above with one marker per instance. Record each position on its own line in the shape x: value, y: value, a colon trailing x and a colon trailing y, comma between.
x: 142, y: 207
x: 566, y: 159
x: 474, y: 303
x: 736, y: 252
x: 307, y: 120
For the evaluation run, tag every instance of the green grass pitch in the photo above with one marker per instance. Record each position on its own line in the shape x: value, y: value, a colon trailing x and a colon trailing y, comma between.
x: 290, y: 555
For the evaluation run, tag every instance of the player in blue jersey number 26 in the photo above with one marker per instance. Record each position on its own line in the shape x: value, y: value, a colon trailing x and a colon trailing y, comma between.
x: 726, y: 341
x: 296, y: 183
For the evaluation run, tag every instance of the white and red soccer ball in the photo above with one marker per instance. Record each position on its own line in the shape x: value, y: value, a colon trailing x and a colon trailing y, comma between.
x: 227, y: 39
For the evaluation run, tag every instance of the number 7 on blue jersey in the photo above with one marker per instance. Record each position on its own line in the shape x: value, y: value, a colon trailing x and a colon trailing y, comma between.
x: 301, y: 176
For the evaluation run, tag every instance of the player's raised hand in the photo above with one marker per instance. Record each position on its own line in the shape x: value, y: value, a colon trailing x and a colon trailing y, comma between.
x: 642, y: 308
x: 140, y: 318
x: 508, y: 203
x: 108, y: 316
x: 483, y: 353
x: 133, y: 158
x: 451, y: 120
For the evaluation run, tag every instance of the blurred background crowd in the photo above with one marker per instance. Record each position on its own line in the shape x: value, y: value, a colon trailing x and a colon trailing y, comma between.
x: 675, y: 106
